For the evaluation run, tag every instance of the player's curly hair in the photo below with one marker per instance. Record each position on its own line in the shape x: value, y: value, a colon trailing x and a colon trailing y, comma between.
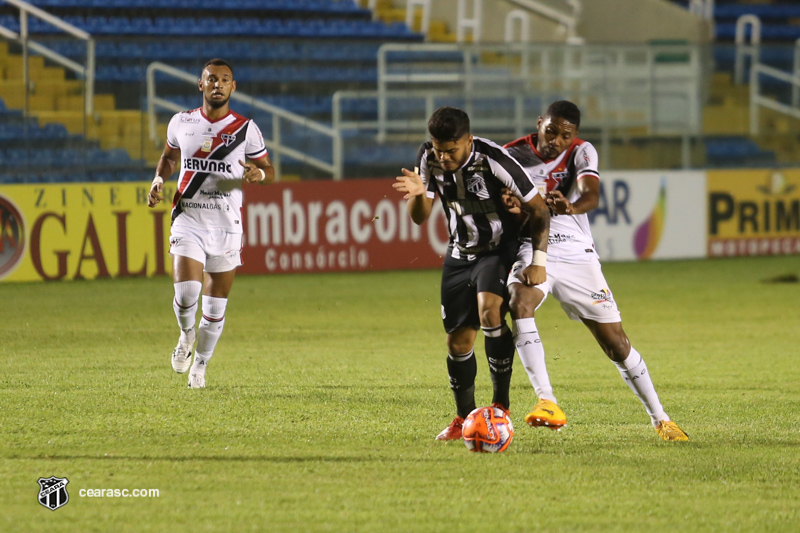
x: 217, y: 62
x: 566, y: 110
x: 448, y: 124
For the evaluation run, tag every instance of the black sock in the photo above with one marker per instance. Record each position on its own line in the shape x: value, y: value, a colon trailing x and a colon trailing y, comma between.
x: 500, y: 353
x: 462, y: 370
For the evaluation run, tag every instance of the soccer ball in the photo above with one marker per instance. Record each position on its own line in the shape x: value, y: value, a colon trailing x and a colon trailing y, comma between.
x: 487, y: 429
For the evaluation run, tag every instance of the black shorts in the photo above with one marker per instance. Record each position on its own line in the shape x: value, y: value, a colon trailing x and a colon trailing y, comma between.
x: 463, y: 280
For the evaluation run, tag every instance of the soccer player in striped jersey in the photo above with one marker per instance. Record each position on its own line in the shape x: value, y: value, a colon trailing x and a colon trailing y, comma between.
x: 564, y: 168
x: 469, y: 174
x: 211, y: 144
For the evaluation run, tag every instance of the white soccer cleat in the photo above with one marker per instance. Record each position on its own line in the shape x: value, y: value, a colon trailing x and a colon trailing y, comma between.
x: 197, y: 375
x: 182, y: 354
x: 197, y: 381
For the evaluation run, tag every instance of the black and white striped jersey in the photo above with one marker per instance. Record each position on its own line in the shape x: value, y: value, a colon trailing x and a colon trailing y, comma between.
x: 472, y: 196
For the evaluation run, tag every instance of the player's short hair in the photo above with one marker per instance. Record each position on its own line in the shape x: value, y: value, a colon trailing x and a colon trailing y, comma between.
x: 566, y: 110
x: 217, y: 62
x: 448, y: 124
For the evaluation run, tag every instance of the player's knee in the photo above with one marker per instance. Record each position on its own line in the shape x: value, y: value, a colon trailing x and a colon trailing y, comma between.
x: 520, y: 307
x: 523, y: 301
x: 187, y: 293
x: 457, y: 346
x: 490, y: 317
x: 616, y: 347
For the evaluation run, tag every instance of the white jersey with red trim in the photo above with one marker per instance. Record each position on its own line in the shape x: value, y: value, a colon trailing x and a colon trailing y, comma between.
x: 570, y: 235
x: 209, y: 191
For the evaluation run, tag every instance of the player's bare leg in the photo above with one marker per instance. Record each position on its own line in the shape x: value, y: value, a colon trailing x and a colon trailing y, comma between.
x: 499, y: 345
x: 523, y: 303
x: 217, y: 287
x: 615, y: 343
x: 187, y: 275
x: 462, y: 368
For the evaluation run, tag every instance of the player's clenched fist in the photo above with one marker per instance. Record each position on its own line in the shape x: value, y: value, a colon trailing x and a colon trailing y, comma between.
x: 156, y: 192
x: 254, y: 174
x: 534, y: 275
x: 409, y: 183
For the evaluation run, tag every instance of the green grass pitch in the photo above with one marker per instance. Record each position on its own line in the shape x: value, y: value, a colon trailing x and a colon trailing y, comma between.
x: 326, y: 391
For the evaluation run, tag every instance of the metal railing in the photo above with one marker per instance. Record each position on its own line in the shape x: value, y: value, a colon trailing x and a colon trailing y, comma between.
x: 511, y: 116
x: 425, y: 21
x: 625, y: 79
x: 87, y: 71
x: 524, y: 19
x: 758, y: 100
x: 430, y: 101
x: 745, y: 50
x: 276, y: 147
x: 466, y: 22
x: 796, y: 71
x: 568, y: 21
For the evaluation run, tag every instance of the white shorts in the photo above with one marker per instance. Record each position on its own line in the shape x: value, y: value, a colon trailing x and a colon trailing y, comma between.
x: 580, y: 287
x: 218, y: 250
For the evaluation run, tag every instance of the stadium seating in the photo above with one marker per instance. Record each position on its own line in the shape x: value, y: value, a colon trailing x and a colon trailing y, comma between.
x: 734, y: 151
x: 58, y: 156
x: 776, y: 19
x: 280, y: 49
x: 308, y: 6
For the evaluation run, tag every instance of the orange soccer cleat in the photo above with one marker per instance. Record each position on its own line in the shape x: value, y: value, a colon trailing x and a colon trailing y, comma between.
x: 453, y: 431
x: 546, y: 414
x: 669, y: 430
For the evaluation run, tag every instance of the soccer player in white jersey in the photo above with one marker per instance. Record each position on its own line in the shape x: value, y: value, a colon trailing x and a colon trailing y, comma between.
x: 468, y: 174
x: 564, y: 168
x: 211, y: 144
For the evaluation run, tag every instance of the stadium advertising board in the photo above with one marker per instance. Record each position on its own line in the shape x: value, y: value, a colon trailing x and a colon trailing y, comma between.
x: 650, y: 215
x: 324, y: 226
x: 753, y: 212
x: 88, y: 231
x: 81, y: 231
x: 103, y: 230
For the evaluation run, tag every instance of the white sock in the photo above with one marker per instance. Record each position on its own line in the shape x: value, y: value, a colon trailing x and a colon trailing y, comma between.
x: 531, y: 352
x: 209, y: 330
x: 185, y: 304
x: 635, y: 374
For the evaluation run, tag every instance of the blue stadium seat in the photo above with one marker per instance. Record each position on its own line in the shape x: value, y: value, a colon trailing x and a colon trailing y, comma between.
x: 103, y: 176
x: 55, y: 131
x: 762, y: 11
x: 11, y: 178
x: 736, y: 152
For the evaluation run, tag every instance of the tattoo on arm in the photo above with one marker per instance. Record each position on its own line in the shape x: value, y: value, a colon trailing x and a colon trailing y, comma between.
x: 539, y: 226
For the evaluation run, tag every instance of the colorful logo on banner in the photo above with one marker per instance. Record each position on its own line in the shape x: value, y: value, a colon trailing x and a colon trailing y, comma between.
x: 12, y: 236
x: 648, y: 234
x: 753, y: 212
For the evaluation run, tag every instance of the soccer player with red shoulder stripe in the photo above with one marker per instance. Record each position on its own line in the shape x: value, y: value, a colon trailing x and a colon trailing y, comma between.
x: 565, y: 170
x: 217, y: 150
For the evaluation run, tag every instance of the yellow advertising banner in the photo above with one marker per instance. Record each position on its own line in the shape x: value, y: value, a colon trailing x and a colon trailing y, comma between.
x: 82, y: 231
x: 753, y: 212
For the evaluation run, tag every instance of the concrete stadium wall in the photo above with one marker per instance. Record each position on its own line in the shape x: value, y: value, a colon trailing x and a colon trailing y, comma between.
x: 609, y: 21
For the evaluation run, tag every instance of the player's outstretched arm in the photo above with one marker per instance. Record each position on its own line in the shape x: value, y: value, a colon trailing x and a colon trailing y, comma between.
x: 258, y: 171
x: 419, y: 205
x: 166, y: 166
x: 539, y: 223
